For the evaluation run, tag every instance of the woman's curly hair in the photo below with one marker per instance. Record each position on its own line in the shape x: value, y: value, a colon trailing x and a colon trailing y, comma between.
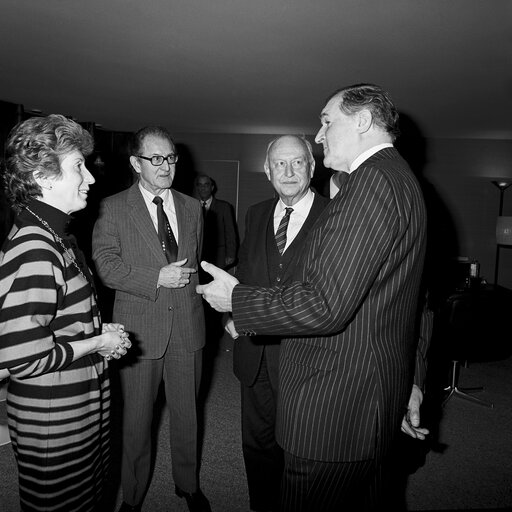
x: 35, y: 147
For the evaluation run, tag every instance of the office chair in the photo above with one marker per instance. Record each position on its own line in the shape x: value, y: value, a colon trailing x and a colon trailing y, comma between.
x: 466, y: 317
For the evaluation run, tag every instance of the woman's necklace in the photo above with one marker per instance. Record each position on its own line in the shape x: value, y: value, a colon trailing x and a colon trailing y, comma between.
x: 59, y: 241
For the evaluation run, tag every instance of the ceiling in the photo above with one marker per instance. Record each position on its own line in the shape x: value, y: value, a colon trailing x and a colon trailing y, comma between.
x: 258, y: 66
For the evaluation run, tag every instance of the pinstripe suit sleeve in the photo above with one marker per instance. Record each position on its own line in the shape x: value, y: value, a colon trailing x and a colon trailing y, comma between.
x: 343, y: 255
x: 107, y: 254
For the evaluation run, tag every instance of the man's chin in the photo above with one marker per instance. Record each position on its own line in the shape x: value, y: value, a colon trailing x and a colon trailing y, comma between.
x: 166, y: 182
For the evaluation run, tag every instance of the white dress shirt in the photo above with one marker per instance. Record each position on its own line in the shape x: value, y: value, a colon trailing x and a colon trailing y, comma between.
x: 208, y: 202
x: 169, y: 209
x: 297, y: 218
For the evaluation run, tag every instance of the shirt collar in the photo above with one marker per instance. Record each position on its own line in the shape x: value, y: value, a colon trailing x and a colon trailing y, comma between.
x: 149, y: 196
x: 367, y: 154
x: 299, y: 207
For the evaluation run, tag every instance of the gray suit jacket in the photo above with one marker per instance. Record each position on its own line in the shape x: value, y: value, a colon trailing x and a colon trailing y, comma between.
x: 128, y: 258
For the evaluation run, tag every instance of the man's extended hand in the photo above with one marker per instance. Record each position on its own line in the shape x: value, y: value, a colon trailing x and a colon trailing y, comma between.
x: 218, y: 292
x: 175, y: 275
x: 411, y: 421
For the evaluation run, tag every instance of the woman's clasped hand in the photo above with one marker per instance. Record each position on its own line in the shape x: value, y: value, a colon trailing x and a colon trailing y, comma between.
x: 115, y: 341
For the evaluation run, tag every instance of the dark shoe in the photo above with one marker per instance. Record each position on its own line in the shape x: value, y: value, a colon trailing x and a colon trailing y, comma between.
x: 196, y: 501
x: 129, y: 508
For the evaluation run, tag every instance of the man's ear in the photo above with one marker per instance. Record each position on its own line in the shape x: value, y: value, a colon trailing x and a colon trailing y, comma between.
x: 267, y: 171
x: 312, y: 168
x: 135, y: 164
x: 365, y: 120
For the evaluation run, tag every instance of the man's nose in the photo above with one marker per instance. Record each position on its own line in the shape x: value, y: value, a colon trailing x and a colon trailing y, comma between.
x: 288, y: 170
x: 320, y: 136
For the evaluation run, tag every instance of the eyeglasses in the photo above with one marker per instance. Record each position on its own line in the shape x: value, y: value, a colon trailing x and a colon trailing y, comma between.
x: 159, y: 159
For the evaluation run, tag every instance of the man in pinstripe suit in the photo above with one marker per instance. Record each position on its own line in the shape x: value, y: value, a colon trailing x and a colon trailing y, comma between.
x: 347, y: 365
x: 146, y: 246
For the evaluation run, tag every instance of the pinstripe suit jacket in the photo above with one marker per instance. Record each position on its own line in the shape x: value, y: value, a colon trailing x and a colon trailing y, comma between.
x: 128, y: 258
x: 346, y: 376
x: 253, y: 269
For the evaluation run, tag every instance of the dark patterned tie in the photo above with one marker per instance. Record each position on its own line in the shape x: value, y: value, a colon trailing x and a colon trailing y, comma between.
x: 205, y: 210
x: 281, y: 230
x: 165, y: 234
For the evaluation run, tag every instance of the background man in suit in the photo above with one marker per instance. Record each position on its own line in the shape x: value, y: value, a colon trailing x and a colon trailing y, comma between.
x: 220, y: 245
x: 289, y: 166
x: 346, y: 376
x: 142, y: 240
x: 220, y: 241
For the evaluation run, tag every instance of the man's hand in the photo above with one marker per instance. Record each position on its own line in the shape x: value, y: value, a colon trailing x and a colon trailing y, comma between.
x: 175, y: 275
x: 218, y: 292
x: 411, y: 421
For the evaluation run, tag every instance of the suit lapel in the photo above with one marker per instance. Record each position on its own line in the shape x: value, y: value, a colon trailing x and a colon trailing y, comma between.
x: 298, y: 241
x: 141, y: 220
x: 315, y: 210
x: 266, y: 229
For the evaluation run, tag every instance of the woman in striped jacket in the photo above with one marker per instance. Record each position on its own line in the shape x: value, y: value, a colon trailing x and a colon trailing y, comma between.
x: 52, y: 342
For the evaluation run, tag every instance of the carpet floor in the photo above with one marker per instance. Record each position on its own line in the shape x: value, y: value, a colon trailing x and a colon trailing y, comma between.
x: 465, y: 465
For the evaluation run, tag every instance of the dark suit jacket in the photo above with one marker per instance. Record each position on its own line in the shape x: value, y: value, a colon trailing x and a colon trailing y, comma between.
x: 346, y: 375
x: 220, y: 234
x: 253, y: 269
x: 128, y: 258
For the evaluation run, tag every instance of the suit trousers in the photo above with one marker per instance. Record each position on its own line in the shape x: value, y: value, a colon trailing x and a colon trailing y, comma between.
x: 262, y: 455
x: 316, y: 486
x: 180, y: 372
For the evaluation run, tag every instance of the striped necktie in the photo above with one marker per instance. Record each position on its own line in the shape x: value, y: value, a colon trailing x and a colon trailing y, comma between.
x: 281, y: 231
x: 165, y: 234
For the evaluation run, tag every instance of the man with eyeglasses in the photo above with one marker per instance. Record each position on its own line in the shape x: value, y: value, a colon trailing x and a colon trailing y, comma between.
x: 146, y: 246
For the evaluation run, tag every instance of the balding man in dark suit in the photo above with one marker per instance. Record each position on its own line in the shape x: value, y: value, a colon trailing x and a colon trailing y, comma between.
x: 347, y: 365
x: 289, y: 166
